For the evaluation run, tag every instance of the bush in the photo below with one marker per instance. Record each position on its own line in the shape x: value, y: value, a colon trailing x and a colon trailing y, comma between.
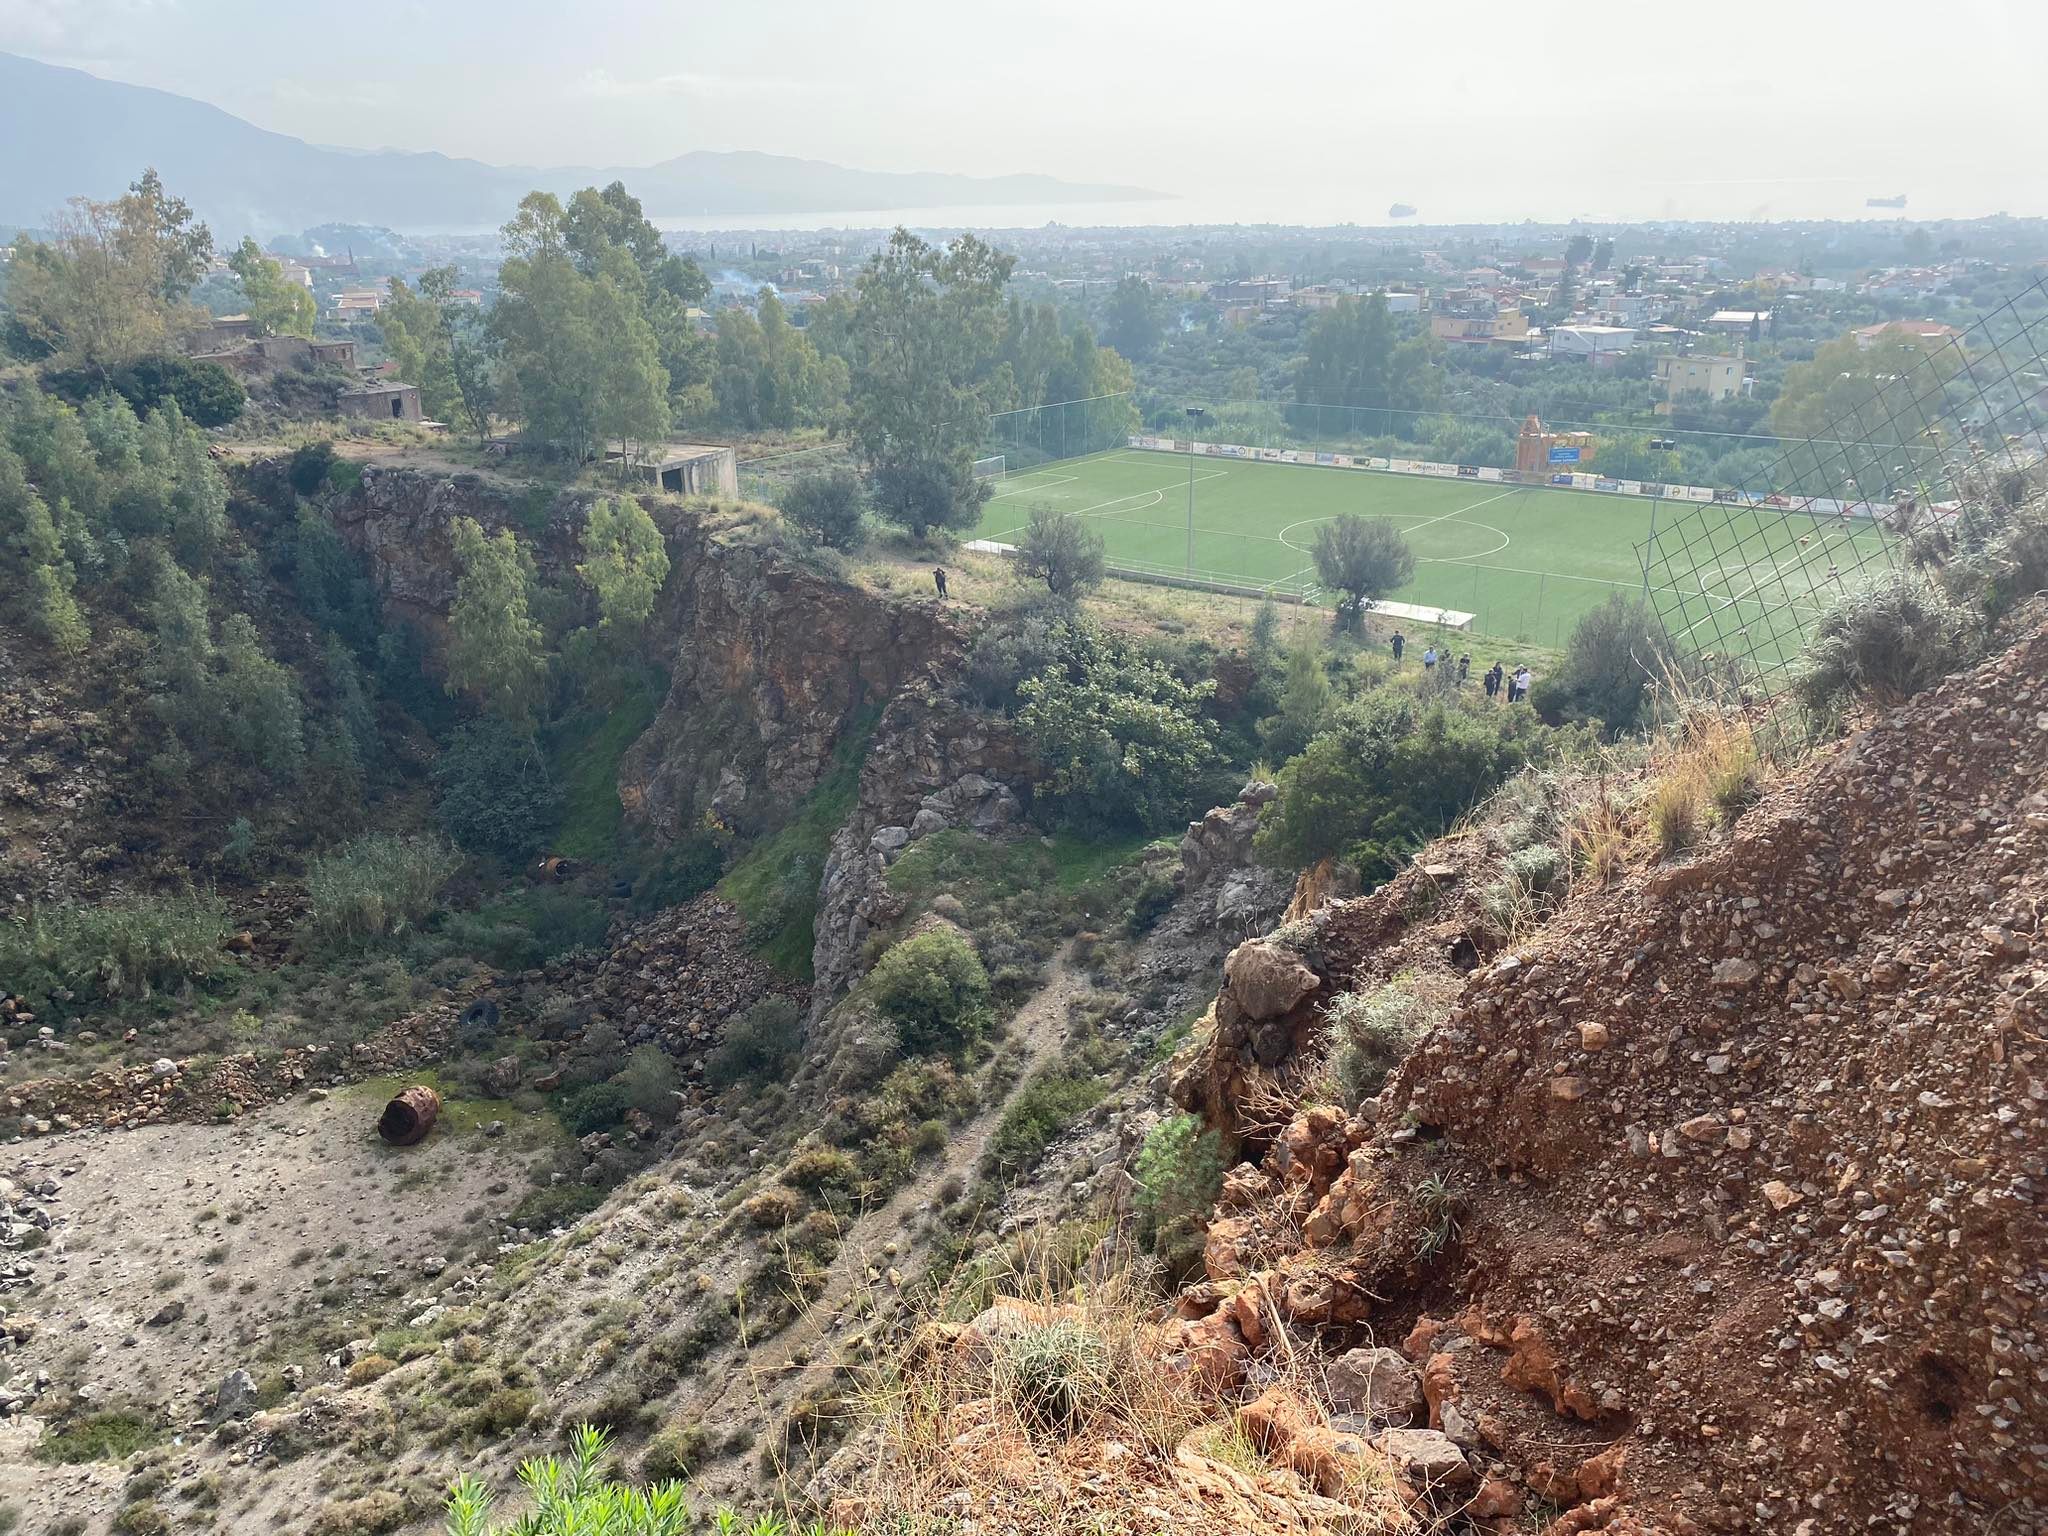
x: 1124, y: 743
x: 206, y: 393
x: 673, y: 1453
x: 680, y: 874
x: 112, y: 951
x: 527, y: 929
x: 376, y: 886
x: 933, y: 987
x: 1061, y: 550
x: 496, y: 796
x: 759, y: 1044
x: 830, y: 506
x: 1155, y: 896
x: 1614, y: 658
x: 1675, y: 815
x: 598, y: 1107
x: 1369, y: 1034
x: 309, y: 467
x: 112, y: 1435
x: 1054, y: 1373
x: 1179, y: 1172
x: 1037, y: 1117
x: 1884, y: 644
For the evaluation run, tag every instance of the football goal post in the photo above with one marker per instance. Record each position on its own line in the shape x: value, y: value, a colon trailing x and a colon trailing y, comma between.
x: 990, y: 468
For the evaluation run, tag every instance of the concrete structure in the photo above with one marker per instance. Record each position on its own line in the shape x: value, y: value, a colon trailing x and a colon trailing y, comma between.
x: 1718, y: 378
x: 1473, y: 318
x: 1533, y: 449
x: 1737, y: 322
x: 268, y: 354
x: 222, y: 334
x: 695, y: 469
x: 382, y: 402
x: 1404, y: 303
x: 1601, y: 345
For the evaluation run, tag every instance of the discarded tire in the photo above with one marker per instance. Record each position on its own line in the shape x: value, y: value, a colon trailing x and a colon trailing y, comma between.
x: 480, y: 1016
x: 409, y: 1116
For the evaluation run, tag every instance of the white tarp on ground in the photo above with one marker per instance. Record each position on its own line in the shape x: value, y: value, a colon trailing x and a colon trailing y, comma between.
x: 1419, y: 613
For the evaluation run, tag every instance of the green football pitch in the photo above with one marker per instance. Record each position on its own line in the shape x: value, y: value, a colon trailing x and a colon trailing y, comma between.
x: 1526, y: 561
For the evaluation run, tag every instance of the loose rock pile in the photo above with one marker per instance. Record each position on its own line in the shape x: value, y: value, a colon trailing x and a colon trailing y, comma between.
x: 1736, y: 1169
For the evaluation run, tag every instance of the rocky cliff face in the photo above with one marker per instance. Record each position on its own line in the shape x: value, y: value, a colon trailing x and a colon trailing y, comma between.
x: 933, y: 764
x: 770, y: 662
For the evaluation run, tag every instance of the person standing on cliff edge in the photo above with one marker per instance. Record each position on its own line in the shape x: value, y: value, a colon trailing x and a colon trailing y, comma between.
x: 939, y: 580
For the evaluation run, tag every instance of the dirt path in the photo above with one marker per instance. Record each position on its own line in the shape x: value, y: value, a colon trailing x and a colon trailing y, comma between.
x: 784, y: 1365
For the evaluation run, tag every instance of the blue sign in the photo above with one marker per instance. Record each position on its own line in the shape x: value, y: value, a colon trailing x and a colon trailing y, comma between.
x: 1564, y: 455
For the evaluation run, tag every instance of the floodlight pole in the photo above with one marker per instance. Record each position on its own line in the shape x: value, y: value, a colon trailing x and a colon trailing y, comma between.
x: 1195, y: 415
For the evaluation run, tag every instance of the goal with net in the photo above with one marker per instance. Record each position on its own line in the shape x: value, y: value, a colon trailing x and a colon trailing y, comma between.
x: 990, y: 469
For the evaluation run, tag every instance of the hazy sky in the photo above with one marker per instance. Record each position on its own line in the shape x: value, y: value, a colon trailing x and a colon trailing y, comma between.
x: 1489, y: 109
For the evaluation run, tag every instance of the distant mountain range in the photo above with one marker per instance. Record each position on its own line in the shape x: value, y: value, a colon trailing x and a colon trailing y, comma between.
x: 66, y: 133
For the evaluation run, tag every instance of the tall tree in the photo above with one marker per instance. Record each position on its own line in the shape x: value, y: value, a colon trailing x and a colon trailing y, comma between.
x: 1354, y: 359
x: 1133, y: 319
x: 1364, y: 558
x: 624, y: 560
x: 279, y: 308
x: 927, y: 326
x: 494, y: 645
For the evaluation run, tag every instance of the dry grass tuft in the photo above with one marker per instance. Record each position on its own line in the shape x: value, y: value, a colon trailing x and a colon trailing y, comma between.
x: 1057, y: 1410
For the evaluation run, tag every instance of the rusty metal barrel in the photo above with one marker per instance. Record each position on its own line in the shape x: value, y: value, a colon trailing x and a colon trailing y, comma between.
x: 409, y: 1115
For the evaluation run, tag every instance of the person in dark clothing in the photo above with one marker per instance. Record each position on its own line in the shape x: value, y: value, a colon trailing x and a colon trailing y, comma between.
x: 939, y: 579
x: 1493, y: 676
x: 1399, y: 644
x: 1464, y: 669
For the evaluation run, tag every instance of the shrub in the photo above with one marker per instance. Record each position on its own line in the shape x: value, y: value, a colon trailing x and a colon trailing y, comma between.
x: 1884, y: 644
x: 376, y: 886
x: 112, y: 951
x: 1610, y: 665
x: 526, y: 929
x: 1055, y: 1374
x: 673, y: 1453
x: 112, y: 1435
x: 309, y: 467
x: 1155, y: 895
x: 830, y: 506
x: 598, y: 1107
x: 1369, y: 1034
x: 496, y: 796
x: 1040, y: 1113
x: 140, y: 1518
x: 1363, y: 558
x: 681, y: 873
x: 1179, y: 1171
x: 1675, y: 814
x: 1124, y: 742
x: 1061, y: 550
x: 649, y: 1081
x: 759, y: 1044
x: 933, y: 987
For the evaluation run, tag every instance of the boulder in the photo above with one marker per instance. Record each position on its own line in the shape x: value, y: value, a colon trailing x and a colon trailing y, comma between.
x: 235, y: 1398
x: 1266, y: 981
x: 1427, y: 1458
x: 1379, y: 1385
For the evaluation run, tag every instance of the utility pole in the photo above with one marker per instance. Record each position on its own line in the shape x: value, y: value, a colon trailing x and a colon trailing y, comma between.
x: 1196, y: 416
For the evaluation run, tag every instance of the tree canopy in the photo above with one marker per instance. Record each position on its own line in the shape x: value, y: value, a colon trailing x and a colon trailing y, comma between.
x: 1364, y: 558
x: 279, y: 308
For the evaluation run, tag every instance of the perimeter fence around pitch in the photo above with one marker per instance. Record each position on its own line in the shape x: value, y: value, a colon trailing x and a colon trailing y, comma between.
x: 1916, y: 456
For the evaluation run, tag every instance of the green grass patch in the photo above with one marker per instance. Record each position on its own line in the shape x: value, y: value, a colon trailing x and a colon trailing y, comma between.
x: 1042, y: 1111
x: 586, y: 752
x: 775, y: 883
x: 113, y: 1435
x: 462, y: 1113
x: 1526, y: 560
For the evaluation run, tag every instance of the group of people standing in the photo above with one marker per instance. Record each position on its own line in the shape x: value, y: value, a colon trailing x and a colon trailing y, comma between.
x: 1495, y: 680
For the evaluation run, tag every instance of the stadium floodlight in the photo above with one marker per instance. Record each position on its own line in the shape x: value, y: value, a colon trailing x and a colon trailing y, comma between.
x: 1196, y: 416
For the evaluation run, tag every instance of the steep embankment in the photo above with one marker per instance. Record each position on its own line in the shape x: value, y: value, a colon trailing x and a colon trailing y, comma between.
x: 1733, y: 1173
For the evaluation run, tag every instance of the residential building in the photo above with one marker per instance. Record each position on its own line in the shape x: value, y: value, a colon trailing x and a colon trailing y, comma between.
x: 1737, y: 322
x: 353, y: 303
x: 1929, y: 333
x: 1718, y: 378
x: 1469, y: 317
x: 1600, y: 345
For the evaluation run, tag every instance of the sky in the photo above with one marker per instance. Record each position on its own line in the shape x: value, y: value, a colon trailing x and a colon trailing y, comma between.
x: 1294, y: 110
